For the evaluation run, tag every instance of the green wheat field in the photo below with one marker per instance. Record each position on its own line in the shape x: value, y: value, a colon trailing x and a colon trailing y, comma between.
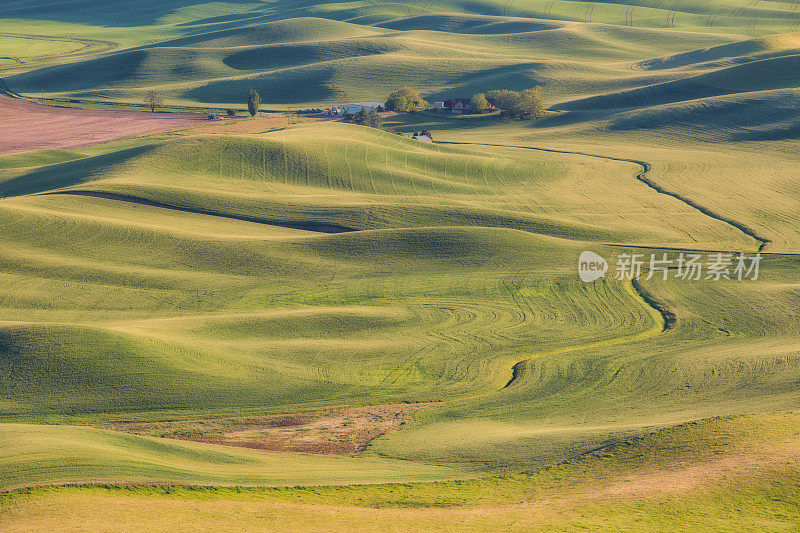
x: 290, y: 323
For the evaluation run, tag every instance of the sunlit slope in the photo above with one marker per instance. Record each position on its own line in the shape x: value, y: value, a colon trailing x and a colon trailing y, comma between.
x: 743, y: 91
x: 18, y: 51
x: 354, y: 177
x: 730, y: 54
x: 188, y: 315
x: 756, y: 186
x: 265, y: 316
x: 732, y: 350
x: 723, y: 474
x: 734, y: 156
x: 63, y: 454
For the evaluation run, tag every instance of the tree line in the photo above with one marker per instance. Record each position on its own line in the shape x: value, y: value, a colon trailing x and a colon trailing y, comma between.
x: 521, y: 105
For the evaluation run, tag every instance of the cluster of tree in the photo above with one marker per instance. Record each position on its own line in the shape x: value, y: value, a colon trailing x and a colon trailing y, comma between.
x: 364, y: 118
x: 405, y: 100
x: 521, y: 105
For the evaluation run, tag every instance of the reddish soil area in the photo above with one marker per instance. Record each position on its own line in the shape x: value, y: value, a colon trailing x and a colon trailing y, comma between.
x: 334, y: 431
x: 26, y: 126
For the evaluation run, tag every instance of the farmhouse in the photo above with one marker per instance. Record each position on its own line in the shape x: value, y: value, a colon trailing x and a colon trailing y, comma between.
x: 423, y: 136
x: 457, y: 105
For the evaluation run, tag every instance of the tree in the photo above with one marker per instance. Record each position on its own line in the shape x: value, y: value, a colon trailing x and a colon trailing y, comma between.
x: 371, y: 119
x: 253, y: 102
x: 521, y: 105
x: 531, y: 104
x: 374, y: 120
x: 479, y: 103
x: 405, y: 100
x: 361, y: 117
x: 152, y: 99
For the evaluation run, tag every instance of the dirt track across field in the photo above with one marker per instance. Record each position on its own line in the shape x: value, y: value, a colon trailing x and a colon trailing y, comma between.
x: 26, y: 126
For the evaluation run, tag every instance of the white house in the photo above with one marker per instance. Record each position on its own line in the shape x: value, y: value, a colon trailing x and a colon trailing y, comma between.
x: 423, y: 136
x: 355, y: 108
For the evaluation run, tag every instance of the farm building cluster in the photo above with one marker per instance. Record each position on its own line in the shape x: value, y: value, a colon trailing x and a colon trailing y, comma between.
x: 352, y: 109
x: 460, y: 105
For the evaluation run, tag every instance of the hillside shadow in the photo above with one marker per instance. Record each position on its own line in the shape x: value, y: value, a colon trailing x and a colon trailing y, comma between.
x: 291, y: 86
x: 434, y: 121
x: 515, y: 77
x: 91, y: 73
x: 115, y: 14
x: 67, y: 174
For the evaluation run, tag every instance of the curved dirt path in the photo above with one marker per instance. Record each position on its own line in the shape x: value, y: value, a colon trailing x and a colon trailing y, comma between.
x: 85, y: 46
x: 641, y: 176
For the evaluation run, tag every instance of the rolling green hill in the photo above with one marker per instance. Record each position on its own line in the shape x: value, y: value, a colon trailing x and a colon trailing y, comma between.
x: 323, y: 61
x: 246, y: 278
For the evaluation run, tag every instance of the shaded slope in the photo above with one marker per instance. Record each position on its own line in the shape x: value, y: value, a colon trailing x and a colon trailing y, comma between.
x: 325, y: 61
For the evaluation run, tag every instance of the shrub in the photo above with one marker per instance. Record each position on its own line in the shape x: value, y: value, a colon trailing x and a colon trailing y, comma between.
x: 231, y: 112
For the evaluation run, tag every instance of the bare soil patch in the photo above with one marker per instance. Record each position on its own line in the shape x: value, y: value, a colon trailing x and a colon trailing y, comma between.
x: 26, y: 126
x: 335, y: 431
